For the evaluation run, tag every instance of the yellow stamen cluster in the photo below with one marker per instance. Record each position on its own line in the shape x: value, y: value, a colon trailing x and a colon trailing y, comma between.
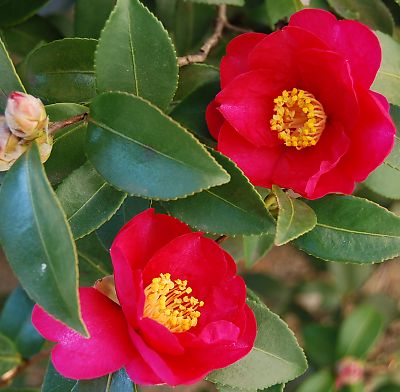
x: 298, y: 118
x: 168, y: 303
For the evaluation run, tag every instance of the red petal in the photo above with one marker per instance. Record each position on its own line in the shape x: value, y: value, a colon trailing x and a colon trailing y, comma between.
x: 355, y: 41
x: 372, y: 138
x: 190, y: 257
x: 214, y: 119
x: 257, y: 163
x: 247, y: 104
x: 78, y: 357
x: 140, y: 372
x: 237, y: 52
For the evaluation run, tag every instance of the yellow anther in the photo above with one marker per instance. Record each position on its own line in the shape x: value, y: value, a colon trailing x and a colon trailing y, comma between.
x: 298, y: 118
x: 167, y: 302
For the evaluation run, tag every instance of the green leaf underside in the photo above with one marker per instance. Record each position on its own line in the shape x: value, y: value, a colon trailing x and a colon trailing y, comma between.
x: 384, y: 181
x: 115, y: 382
x: 294, y: 219
x: 359, y: 332
x: 87, y: 200
x: 255, y: 247
x: 140, y: 150
x: 68, y: 152
x: 282, y: 9
x: 275, y: 349
x: 36, y: 217
x: 387, y: 81
x: 393, y: 160
x: 61, y: 71
x: 233, y: 208
x: 16, y: 11
x: 352, y: 229
x: 16, y: 324
x: 9, y: 357
x: 9, y: 80
x: 144, y: 61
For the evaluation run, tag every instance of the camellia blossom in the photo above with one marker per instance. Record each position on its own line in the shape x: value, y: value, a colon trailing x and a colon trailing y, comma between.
x: 296, y: 109
x: 179, y: 312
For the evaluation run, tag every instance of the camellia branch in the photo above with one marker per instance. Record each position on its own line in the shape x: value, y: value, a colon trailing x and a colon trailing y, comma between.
x: 211, y: 42
x: 55, y: 126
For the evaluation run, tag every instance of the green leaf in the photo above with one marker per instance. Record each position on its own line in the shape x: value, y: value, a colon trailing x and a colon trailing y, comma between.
x: 373, y: 13
x: 349, y: 277
x: 9, y: 357
x: 393, y: 160
x: 68, y: 152
x: 255, y: 247
x: 282, y: 9
x: 88, y: 24
x: 239, y: 3
x: 136, y: 55
x: 24, y: 37
x: 389, y: 388
x: 191, y: 111
x: 318, y: 382
x: 94, y: 260
x: 16, y: 324
x: 140, y: 150
x: 116, y: 382
x: 359, y: 332
x: 275, y: 357
x: 352, y: 229
x: 131, y: 207
x: 31, y: 213
x: 294, y: 218
x: 387, y: 81
x: 87, y: 200
x: 275, y: 388
x: 233, y: 208
x: 320, y: 344
x: 16, y: 11
x: 61, y: 71
x: 9, y: 81
x: 385, y: 181
x: 54, y: 382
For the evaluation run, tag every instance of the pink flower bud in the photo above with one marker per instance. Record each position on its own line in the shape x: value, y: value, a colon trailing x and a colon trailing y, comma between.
x: 26, y: 116
x: 350, y: 372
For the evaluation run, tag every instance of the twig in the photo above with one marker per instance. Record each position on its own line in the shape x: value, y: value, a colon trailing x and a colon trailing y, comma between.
x: 221, y: 238
x: 239, y: 29
x: 55, y: 126
x: 210, y: 43
x: 7, y: 377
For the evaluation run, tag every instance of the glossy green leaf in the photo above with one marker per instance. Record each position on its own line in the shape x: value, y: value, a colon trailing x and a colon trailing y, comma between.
x: 94, y: 260
x: 393, y: 160
x: 31, y: 212
x: 140, y: 150
x: 387, y: 81
x: 88, y: 24
x: 191, y: 111
x: 318, y: 382
x: 16, y: 11
x: 233, y: 208
x: 16, y: 324
x: 219, y: 2
x: 87, y: 200
x: 275, y: 357
x: 373, y: 13
x: 130, y: 207
x: 54, y: 382
x: 116, y: 382
x: 143, y: 60
x: 352, y: 229
x: 294, y: 218
x: 9, y: 81
x: 68, y: 152
x: 24, y: 37
x: 320, y: 344
x: 9, y: 356
x: 384, y: 181
x: 61, y: 71
x: 282, y: 9
x: 359, y: 332
x: 255, y: 247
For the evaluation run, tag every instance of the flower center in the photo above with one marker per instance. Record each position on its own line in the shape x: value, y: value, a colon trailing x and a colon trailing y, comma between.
x: 168, y: 303
x: 298, y: 118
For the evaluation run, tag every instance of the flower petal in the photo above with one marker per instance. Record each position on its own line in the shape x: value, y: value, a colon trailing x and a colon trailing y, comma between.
x: 78, y: 357
x: 214, y: 119
x: 355, y: 41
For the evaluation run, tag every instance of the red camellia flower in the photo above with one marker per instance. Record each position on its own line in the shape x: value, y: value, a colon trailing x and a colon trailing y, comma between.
x: 179, y: 313
x: 296, y: 109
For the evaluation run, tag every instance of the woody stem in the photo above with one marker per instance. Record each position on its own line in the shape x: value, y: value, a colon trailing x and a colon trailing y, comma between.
x: 55, y: 126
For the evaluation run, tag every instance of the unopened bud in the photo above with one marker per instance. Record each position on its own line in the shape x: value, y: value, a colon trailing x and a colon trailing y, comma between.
x: 26, y: 115
x: 11, y: 147
x: 45, y: 144
x: 350, y: 372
